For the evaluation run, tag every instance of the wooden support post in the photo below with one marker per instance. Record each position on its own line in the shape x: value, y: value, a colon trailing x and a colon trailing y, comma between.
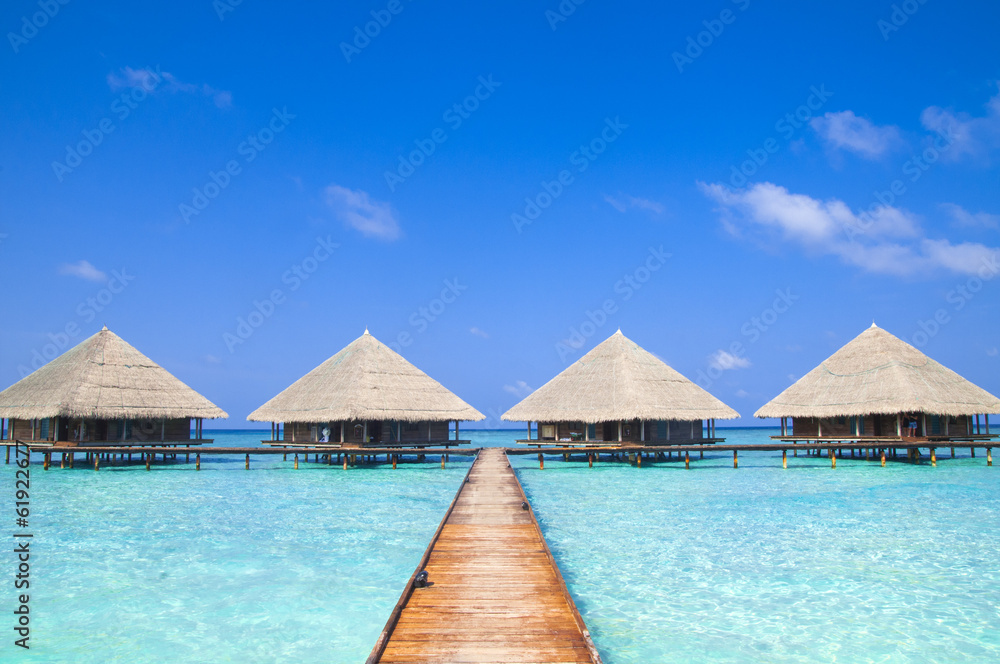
x: 702, y: 453
x: 296, y: 462
x: 147, y: 460
x: 8, y: 454
x: 736, y: 463
x: 246, y: 463
x: 197, y: 461
x: 345, y: 462
x: 638, y: 460
x: 687, y: 460
x: 97, y: 461
x: 784, y: 458
x: 590, y: 460
x: 442, y: 462
x: 972, y: 451
x: 394, y: 462
x: 989, y: 456
x: 868, y: 454
x: 45, y: 461
x: 541, y: 462
x: 795, y: 451
x: 833, y: 459
x: 883, y: 457
x: 934, y: 457
x: 953, y: 453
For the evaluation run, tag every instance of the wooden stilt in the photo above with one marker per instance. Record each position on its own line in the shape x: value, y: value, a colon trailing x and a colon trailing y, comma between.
x: 97, y: 461
x: 590, y: 460
x: 736, y: 463
x: 62, y: 460
x: 687, y: 460
x: 953, y: 453
x: 883, y: 458
x: 71, y: 456
x: 147, y: 460
x: 933, y: 457
x: 784, y: 458
x: 989, y: 456
x: 394, y: 462
x: 972, y: 451
x: 8, y: 454
x: 833, y: 460
x: 442, y: 462
x: 296, y: 462
x: 638, y: 460
x: 197, y: 461
x: 246, y: 462
x: 702, y: 454
x: 541, y: 462
x: 45, y: 461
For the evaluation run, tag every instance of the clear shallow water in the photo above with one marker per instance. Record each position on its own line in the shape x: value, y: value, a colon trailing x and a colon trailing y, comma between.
x: 809, y: 564
x: 223, y: 565
x: 861, y: 563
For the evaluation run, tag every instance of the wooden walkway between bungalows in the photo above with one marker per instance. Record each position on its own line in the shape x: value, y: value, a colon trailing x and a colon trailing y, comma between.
x: 496, y: 594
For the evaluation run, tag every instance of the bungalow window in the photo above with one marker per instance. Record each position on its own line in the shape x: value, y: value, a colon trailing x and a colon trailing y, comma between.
x: 548, y: 431
x: 411, y: 427
x: 43, y: 432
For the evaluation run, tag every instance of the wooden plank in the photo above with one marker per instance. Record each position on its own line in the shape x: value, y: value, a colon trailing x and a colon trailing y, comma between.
x: 495, y: 593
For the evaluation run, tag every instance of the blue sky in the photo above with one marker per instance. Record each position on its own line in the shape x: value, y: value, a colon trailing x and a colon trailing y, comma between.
x: 741, y: 187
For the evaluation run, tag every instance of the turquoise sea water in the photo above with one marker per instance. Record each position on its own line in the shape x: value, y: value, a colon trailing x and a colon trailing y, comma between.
x: 809, y: 564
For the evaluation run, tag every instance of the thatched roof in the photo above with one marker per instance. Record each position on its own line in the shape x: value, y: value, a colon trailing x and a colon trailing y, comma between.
x: 618, y: 380
x: 879, y: 373
x: 104, y: 377
x: 367, y: 380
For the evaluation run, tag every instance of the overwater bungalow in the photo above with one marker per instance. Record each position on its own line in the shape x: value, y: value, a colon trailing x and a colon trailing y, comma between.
x: 104, y: 391
x: 878, y: 386
x: 366, y: 394
x: 620, y: 393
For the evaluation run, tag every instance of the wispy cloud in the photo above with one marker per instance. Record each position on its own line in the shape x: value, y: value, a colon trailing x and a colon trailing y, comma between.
x: 356, y: 209
x: 478, y: 332
x: 973, y: 137
x: 844, y: 130
x: 83, y: 270
x: 623, y: 202
x: 742, y: 394
x: 885, y: 239
x: 211, y: 359
x: 150, y: 79
x: 965, y: 219
x: 519, y: 389
x: 725, y: 361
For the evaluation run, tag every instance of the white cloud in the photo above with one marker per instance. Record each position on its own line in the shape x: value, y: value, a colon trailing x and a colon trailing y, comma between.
x: 993, y: 352
x: 519, y: 389
x: 479, y: 333
x: 881, y: 239
x: 211, y: 359
x: 83, y: 270
x: 151, y: 79
x: 356, y: 209
x: 970, y: 136
x: 623, y: 202
x: 846, y: 131
x: 965, y: 219
x: 724, y: 361
x: 742, y: 394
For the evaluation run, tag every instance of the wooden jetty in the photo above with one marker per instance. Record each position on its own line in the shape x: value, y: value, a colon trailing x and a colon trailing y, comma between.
x: 495, y: 594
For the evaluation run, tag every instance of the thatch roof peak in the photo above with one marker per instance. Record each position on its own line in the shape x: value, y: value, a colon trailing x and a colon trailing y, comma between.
x: 619, y: 380
x: 877, y: 372
x: 365, y: 380
x: 104, y: 377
